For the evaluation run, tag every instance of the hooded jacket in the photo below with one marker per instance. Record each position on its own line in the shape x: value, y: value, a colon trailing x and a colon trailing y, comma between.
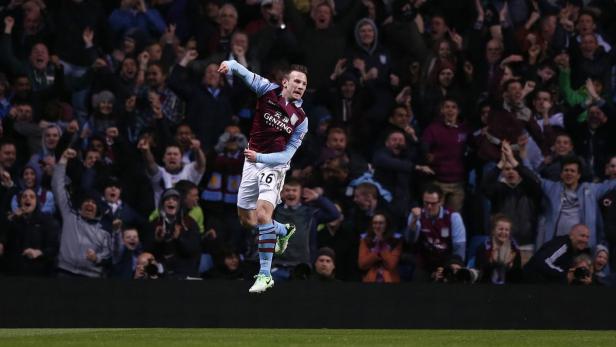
x: 374, y: 56
x: 180, y: 256
x: 78, y: 234
x: 45, y: 199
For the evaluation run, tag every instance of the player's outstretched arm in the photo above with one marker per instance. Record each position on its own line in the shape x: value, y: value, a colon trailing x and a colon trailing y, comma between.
x: 255, y: 82
x: 280, y: 158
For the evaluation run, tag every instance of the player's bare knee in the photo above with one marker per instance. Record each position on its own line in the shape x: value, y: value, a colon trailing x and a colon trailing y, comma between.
x: 263, y: 216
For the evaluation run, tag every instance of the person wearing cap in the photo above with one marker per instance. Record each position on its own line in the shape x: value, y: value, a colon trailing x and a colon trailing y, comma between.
x: 115, y: 210
x: 85, y: 247
x: 174, y: 238
x: 103, y: 116
x: 600, y: 263
x: 325, y: 265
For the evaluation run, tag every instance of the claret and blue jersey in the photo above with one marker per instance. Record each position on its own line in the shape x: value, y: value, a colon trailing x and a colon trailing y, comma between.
x: 279, y: 126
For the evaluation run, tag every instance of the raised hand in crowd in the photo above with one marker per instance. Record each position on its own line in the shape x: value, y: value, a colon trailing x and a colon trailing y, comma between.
x: 88, y: 37
x: 191, y: 55
x: 68, y: 154
x: 339, y: 69
x: 9, y: 23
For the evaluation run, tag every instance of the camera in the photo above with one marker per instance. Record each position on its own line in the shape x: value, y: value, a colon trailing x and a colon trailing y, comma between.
x: 151, y: 269
x: 580, y: 273
x: 462, y: 275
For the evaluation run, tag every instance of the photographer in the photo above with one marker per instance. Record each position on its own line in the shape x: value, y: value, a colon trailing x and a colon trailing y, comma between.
x: 455, y: 272
x: 176, y: 241
x: 555, y: 260
x: 148, y: 268
x: 581, y: 272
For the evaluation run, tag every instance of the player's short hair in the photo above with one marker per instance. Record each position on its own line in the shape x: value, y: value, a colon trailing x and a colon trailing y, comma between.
x: 299, y: 68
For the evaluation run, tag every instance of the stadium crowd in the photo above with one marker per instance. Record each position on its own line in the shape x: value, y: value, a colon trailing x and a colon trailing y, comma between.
x: 449, y: 141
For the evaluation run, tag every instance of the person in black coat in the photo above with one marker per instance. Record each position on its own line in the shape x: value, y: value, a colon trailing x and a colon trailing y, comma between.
x: 174, y: 238
x: 29, y: 239
x: 554, y: 261
x: 208, y: 104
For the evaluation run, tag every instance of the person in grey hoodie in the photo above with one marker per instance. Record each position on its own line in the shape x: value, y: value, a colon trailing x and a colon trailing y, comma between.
x: 84, y: 245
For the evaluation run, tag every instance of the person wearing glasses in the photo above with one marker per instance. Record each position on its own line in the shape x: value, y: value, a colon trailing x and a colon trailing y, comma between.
x: 436, y: 233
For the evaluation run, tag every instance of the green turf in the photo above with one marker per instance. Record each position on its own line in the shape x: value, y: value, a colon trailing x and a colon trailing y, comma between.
x: 295, y: 337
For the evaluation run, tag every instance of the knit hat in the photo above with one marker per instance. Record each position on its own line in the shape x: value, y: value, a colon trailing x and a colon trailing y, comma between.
x: 101, y: 96
x: 601, y: 248
x: 327, y: 252
x: 111, y: 181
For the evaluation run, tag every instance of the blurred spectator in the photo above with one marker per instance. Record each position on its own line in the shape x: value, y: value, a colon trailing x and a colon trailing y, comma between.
x: 437, y: 232
x: 555, y: 260
x: 379, y: 252
x: 571, y: 202
x: 515, y: 191
x: 126, y: 248
x: 31, y: 178
x: 133, y: 17
x: 325, y: 265
x: 600, y: 265
x: 305, y: 208
x: 174, y: 238
x: 85, y: 247
x: 207, y: 97
x: 174, y: 170
x: 148, y: 268
x: 607, y: 204
x: 29, y: 238
x: 444, y: 143
x: 115, y: 210
x: 499, y: 258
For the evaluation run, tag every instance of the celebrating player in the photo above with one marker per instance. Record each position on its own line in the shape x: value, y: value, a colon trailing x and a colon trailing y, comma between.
x: 278, y: 127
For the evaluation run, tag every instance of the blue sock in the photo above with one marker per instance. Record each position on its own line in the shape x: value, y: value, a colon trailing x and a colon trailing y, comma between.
x: 281, y: 230
x: 267, y: 243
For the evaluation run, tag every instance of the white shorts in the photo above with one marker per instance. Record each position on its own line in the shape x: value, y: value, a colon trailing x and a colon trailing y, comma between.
x: 260, y: 182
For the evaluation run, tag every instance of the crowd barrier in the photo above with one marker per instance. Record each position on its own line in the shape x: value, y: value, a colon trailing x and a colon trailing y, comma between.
x: 35, y: 303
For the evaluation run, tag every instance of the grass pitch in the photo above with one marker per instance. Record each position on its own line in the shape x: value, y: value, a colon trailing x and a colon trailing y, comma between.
x: 300, y: 337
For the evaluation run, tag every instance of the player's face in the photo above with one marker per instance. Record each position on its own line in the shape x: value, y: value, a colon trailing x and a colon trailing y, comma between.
x: 295, y: 85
